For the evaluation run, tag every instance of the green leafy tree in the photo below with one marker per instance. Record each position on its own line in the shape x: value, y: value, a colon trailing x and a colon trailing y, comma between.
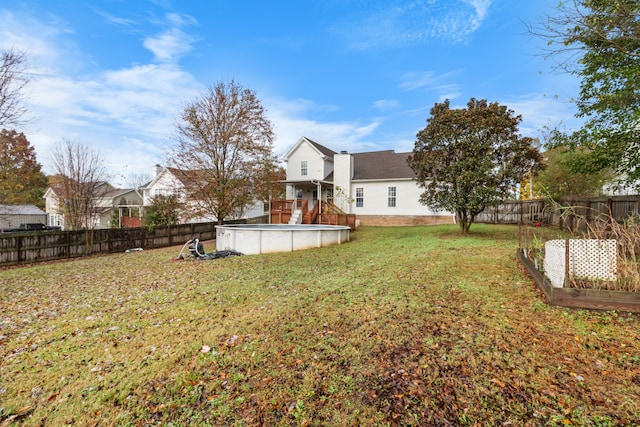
x: 470, y: 158
x: 21, y: 178
x: 558, y: 180
x: 599, y: 42
x: 565, y: 174
x: 164, y: 210
x: 224, y: 149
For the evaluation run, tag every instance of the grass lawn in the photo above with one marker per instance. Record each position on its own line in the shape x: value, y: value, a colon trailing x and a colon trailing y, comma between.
x: 400, y: 326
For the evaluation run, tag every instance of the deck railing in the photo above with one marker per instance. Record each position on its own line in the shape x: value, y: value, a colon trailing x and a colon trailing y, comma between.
x: 322, y: 213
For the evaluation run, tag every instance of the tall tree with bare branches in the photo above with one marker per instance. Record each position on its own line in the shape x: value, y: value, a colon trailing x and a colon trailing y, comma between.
x: 13, y: 79
x: 82, y: 181
x: 224, y: 148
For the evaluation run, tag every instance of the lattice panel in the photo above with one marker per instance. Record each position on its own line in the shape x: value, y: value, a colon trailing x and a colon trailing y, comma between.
x: 588, y: 259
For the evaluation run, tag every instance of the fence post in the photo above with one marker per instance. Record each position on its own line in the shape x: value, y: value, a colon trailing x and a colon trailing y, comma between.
x: 18, y: 247
x: 566, y: 263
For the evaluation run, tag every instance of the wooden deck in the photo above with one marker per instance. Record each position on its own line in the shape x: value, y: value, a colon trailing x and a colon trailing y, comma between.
x: 322, y: 213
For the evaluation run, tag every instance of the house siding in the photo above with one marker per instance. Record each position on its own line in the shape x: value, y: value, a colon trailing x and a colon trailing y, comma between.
x: 374, y: 172
x: 317, y: 166
x: 342, y: 176
x: 376, y: 198
x: 165, y: 184
x: 14, y: 220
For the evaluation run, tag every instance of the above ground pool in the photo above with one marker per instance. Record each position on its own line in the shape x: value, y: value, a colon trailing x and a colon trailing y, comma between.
x: 253, y: 239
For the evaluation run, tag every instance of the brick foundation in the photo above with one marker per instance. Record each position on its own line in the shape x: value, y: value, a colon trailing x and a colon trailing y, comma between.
x: 395, y: 220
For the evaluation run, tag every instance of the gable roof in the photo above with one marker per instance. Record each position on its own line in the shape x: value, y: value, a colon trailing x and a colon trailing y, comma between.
x: 56, y: 186
x: 178, y: 174
x: 321, y: 149
x: 381, y: 165
x: 20, y: 210
x: 118, y: 192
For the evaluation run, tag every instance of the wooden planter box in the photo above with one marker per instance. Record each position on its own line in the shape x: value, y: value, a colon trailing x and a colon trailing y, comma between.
x: 594, y: 299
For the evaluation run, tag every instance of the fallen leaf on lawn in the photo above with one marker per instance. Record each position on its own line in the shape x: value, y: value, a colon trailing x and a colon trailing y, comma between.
x: 576, y: 376
x: 497, y: 381
x: 205, y: 349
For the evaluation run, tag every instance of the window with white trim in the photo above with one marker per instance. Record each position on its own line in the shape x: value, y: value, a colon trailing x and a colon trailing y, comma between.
x: 391, y: 197
x: 359, y: 197
x: 303, y: 168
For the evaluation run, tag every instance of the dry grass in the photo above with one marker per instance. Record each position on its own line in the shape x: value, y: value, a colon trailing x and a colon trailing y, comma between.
x: 401, y: 326
x: 602, y: 227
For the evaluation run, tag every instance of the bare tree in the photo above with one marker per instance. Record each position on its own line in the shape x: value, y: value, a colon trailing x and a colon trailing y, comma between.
x: 136, y: 180
x: 81, y: 182
x: 224, y: 144
x: 13, y: 79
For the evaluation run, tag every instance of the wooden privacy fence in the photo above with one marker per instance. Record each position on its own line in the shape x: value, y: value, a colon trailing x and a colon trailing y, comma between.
x: 20, y: 248
x: 573, y: 214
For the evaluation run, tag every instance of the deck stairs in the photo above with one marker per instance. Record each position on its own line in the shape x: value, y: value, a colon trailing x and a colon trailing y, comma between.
x: 296, y: 217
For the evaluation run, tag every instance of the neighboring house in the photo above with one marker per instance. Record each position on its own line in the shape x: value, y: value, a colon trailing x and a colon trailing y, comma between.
x: 617, y: 189
x: 171, y: 181
x: 115, y: 207
x: 378, y: 187
x: 119, y: 207
x: 11, y: 216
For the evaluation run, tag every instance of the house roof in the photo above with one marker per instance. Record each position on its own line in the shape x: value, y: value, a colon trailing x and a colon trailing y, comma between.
x: 188, y: 178
x: 178, y: 174
x: 324, y: 150
x: 56, y: 186
x: 327, y: 152
x: 20, y: 210
x: 117, y: 192
x: 381, y: 165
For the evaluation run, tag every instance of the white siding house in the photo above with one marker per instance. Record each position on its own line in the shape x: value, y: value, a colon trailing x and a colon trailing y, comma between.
x: 170, y: 181
x: 114, y: 208
x: 379, y: 187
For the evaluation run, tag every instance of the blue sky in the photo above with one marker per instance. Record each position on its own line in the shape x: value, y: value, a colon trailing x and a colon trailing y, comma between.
x: 352, y: 75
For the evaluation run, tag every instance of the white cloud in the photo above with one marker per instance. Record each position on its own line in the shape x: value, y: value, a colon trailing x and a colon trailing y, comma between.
x: 398, y: 23
x: 429, y: 81
x: 181, y: 20
x: 128, y: 113
x: 290, y: 124
x: 170, y: 45
x: 538, y: 111
x: 386, y: 104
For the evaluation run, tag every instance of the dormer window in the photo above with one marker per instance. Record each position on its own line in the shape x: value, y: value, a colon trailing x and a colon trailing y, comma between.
x: 303, y: 168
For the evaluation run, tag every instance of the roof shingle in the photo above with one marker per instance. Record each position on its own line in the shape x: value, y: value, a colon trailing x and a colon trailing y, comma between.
x: 381, y: 165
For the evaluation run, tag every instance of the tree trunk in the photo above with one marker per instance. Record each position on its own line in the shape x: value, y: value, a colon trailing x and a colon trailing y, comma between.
x: 465, y: 221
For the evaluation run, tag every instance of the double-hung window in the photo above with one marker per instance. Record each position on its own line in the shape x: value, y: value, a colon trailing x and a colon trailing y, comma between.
x: 359, y: 197
x: 391, y: 197
x: 303, y: 168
